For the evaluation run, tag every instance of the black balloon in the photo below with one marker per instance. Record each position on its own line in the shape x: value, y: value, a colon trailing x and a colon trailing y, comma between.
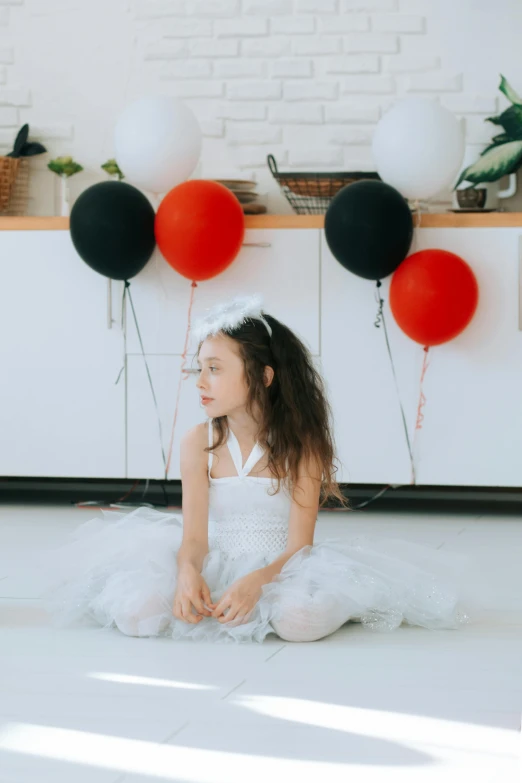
x: 369, y: 228
x: 112, y: 229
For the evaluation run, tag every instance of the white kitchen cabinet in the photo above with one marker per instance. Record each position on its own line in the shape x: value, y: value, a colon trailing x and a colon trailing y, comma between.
x: 281, y: 264
x: 471, y: 433
x: 472, y: 429
x: 61, y: 413
x: 369, y: 433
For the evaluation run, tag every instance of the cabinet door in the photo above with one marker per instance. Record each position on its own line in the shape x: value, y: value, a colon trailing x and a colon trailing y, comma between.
x: 369, y: 432
x: 145, y: 458
x: 285, y: 272
x: 472, y: 429
x: 61, y: 412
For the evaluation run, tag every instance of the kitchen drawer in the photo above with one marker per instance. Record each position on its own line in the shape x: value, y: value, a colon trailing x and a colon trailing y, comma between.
x: 281, y: 264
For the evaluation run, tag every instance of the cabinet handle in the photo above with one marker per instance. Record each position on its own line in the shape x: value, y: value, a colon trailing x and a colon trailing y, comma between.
x: 109, y: 303
x: 257, y: 244
x: 191, y: 372
x: 520, y: 283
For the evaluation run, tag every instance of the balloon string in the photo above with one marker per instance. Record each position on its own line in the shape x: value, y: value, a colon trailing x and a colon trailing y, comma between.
x: 380, y: 319
x: 127, y: 288
x: 182, y: 375
x: 422, y: 401
x: 123, y: 332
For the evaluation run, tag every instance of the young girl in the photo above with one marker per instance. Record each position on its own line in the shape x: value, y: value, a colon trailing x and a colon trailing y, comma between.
x: 241, y: 562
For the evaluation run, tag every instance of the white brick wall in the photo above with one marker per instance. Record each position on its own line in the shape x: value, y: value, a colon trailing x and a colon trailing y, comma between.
x: 398, y: 23
x: 306, y: 80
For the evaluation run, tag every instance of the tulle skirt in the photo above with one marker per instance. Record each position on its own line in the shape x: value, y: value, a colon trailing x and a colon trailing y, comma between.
x: 120, y: 570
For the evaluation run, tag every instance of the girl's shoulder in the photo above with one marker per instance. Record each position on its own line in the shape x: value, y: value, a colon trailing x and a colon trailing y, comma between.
x: 197, y: 433
x: 193, y: 444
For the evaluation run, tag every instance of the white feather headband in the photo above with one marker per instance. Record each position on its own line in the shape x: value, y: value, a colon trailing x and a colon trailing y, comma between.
x: 229, y: 315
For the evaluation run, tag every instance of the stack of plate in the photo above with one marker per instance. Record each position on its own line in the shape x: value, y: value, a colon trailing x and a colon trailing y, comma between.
x: 245, y: 192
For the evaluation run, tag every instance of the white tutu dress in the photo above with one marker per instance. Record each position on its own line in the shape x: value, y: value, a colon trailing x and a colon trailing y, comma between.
x: 121, y: 570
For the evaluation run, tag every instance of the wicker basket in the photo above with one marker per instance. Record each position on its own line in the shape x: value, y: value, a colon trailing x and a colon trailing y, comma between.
x: 310, y: 193
x: 14, y: 186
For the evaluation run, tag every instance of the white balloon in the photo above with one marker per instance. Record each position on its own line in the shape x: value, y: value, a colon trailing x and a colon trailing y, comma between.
x: 157, y: 142
x: 418, y: 147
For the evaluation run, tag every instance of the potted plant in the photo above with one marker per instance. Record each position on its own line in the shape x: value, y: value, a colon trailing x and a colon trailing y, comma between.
x: 504, y: 155
x: 112, y: 168
x: 10, y: 163
x: 65, y: 167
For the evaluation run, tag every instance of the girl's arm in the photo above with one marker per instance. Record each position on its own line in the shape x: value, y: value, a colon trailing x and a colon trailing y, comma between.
x: 194, y: 481
x: 303, y: 516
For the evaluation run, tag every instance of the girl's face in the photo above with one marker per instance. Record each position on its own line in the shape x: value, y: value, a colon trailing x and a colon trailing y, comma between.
x: 221, y: 381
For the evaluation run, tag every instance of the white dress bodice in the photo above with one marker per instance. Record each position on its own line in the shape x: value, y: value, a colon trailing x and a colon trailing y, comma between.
x: 246, y: 515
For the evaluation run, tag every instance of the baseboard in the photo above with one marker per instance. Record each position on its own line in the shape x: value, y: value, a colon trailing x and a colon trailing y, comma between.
x: 168, y: 494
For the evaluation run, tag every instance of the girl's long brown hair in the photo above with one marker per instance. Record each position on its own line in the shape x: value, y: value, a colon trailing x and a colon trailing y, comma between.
x: 296, y: 418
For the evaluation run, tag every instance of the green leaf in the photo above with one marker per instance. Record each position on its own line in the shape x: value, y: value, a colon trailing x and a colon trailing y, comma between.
x: 495, y: 120
x: 511, y: 121
x: 493, y: 164
x: 64, y: 166
x: 32, y: 148
x: 112, y: 168
x: 54, y: 167
x: 502, y: 138
x: 508, y: 91
x: 20, y: 140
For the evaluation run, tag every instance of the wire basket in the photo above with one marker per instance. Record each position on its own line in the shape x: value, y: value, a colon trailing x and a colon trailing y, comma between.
x: 18, y: 195
x: 8, y: 173
x: 310, y: 193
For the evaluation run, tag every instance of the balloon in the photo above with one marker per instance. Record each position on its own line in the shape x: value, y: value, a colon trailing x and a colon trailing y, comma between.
x: 369, y: 228
x: 418, y: 147
x: 433, y: 296
x: 157, y: 142
x: 112, y: 229
x: 200, y: 228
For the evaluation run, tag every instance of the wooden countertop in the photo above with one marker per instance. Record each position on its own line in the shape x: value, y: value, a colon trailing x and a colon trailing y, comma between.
x: 427, y: 220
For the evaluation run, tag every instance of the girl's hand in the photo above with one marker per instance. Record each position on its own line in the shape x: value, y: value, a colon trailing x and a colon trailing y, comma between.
x: 240, y: 599
x: 191, y: 591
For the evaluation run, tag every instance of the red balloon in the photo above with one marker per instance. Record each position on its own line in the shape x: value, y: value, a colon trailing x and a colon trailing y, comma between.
x: 199, y: 228
x: 433, y: 296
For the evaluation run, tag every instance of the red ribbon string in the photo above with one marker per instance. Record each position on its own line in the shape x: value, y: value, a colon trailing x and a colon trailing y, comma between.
x: 422, y: 403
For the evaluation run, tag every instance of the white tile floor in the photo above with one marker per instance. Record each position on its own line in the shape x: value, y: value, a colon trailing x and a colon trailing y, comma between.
x: 89, y: 705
